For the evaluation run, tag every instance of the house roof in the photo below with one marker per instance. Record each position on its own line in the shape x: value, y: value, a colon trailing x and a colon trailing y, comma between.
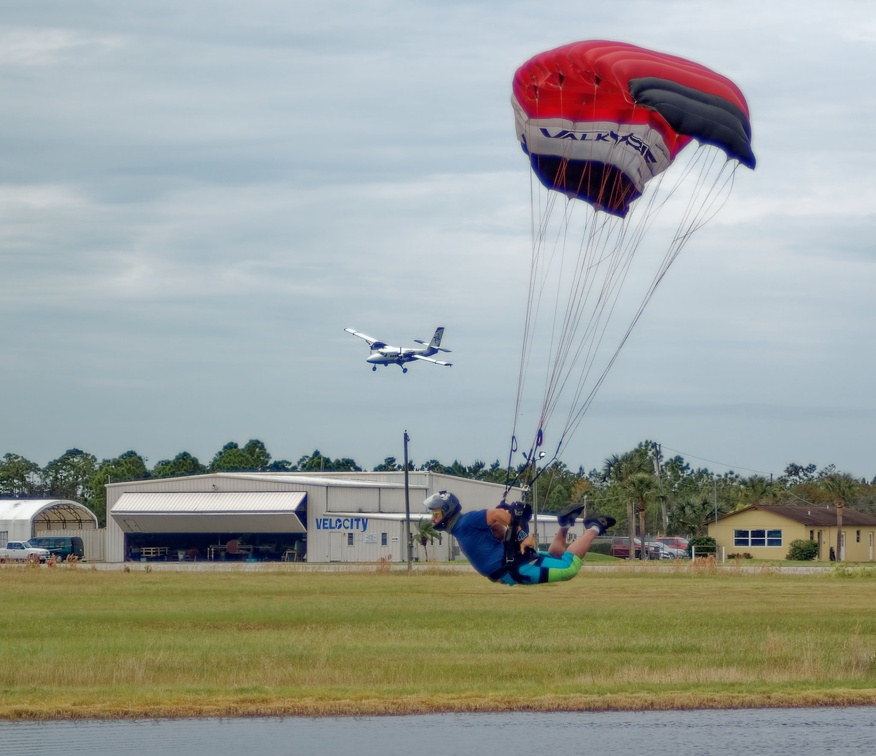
x: 811, y: 515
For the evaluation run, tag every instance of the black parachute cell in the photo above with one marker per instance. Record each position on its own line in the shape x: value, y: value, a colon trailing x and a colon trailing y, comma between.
x: 705, y: 117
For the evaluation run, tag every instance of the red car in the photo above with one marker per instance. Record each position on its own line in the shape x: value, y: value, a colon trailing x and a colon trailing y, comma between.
x: 620, y: 548
x: 674, y: 542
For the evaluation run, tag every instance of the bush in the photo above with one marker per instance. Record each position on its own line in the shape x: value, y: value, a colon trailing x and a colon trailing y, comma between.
x: 704, y: 545
x: 600, y: 548
x: 802, y: 550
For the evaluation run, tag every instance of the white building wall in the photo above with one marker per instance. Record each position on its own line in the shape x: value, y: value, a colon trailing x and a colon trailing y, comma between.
x: 383, y: 539
x: 14, y: 530
x: 331, y: 499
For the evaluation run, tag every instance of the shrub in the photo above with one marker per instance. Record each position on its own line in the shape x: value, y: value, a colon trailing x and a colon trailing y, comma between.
x: 703, y: 544
x: 802, y: 550
x: 600, y: 548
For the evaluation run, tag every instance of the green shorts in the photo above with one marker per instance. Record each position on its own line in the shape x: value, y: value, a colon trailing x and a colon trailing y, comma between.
x: 545, y: 569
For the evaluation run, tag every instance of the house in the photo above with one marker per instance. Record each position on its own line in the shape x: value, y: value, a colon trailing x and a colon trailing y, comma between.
x: 766, y: 531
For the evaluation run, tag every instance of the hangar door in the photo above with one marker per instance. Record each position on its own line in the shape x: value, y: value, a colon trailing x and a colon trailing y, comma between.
x: 214, y: 512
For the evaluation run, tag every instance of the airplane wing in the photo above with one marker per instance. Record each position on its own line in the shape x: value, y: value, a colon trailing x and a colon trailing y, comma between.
x: 371, y: 342
x: 429, y: 359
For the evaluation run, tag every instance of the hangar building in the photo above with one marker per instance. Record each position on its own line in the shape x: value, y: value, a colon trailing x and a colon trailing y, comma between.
x: 314, y: 517
x: 23, y: 519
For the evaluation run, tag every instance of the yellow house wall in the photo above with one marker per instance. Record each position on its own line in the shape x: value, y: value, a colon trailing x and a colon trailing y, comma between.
x: 863, y: 550
x: 855, y: 550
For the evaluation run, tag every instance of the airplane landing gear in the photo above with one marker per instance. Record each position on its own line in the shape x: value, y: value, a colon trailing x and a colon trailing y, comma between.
x: 374, y: 368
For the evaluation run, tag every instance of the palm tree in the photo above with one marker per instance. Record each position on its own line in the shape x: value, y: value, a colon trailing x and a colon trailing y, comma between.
x: 426, y: 534
x: 758, y: 489
x: 640, y: 486
x: 620, y: 468
x: 842, y: 487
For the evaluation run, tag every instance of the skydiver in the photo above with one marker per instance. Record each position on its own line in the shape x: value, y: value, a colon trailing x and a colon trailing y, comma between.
x: 499, y: 547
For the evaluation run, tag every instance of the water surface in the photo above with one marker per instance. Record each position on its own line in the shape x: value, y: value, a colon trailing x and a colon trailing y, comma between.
x: 753, y: 732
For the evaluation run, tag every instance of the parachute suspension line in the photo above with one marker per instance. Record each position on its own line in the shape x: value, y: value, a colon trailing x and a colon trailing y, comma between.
x: 712, y: 189
x: 538, y: 216
x: 604, y: 254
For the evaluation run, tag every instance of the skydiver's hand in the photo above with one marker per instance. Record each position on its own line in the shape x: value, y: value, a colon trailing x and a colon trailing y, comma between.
x: 527, y: 543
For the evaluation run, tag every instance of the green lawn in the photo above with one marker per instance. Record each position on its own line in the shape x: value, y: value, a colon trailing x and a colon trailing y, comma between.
x: 93, y: 643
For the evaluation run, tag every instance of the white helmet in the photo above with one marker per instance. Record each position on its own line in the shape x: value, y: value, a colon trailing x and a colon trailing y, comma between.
x: 447, y: 504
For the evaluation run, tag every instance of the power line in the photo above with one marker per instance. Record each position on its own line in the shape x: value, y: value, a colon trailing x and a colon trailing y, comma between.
x: 715, y: 462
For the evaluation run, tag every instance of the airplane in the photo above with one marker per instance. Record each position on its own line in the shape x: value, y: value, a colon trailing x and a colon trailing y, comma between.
x: 382, y: 354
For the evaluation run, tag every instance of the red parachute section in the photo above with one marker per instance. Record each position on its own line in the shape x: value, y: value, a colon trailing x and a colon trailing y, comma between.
x: 599, y: 119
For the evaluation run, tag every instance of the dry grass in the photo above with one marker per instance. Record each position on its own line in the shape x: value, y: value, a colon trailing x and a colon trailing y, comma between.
x: 84, y: 643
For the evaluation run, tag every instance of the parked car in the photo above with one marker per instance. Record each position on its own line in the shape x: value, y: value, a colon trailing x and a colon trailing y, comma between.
x: 22, y: 551
x: 667, y: 551
x: 674, y: 542
x: 620, y: 548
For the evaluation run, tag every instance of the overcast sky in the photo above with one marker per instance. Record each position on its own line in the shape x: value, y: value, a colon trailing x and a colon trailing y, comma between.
x: 197, y: 198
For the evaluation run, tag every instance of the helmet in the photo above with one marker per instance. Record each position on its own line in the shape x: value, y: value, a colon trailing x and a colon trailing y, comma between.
x: 447, y: 504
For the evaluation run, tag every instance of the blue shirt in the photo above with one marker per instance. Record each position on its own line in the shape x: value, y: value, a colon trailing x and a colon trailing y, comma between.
x: 477, y: 542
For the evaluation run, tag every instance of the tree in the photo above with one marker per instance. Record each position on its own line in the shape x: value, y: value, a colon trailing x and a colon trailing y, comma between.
x: 127, y: 466
x: 19, y: 477
x: 69, y: 476
x: 842, y: 487
x: 433, y: 465
x: 389, y: 464
x: 692, y: 513
x: 640, y: 487
x: 253, y: 457
x: 757, y: 489
x: 317, y: 462
x: 795, y: 474
x: 426, y: 534
x: 618, y: 469
x: 258, y: 453
x: 182, y: 464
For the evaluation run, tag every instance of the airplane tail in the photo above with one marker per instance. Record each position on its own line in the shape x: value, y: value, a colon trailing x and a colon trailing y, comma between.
x: 436, y: 339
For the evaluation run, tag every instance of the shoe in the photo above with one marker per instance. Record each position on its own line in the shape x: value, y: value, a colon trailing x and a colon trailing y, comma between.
x: 603, y: 522
x: 567, y: 515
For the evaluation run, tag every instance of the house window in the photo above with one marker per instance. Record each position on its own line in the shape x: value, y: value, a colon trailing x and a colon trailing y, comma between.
x: 857, y: 536
x: 757, y: 537
x: 383, y: 540
x: 349, y: 539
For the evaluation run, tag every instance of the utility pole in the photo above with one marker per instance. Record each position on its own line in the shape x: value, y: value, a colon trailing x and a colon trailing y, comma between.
x: 658, y: 473
x: 407, y: 507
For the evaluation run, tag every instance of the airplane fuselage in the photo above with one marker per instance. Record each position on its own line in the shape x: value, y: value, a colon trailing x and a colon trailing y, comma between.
x: 393, y: 356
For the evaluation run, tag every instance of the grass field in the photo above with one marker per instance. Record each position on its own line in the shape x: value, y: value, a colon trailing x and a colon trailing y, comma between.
x: 91, y: 643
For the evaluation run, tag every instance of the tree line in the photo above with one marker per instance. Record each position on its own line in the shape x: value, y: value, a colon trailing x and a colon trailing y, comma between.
x: 658, y: 494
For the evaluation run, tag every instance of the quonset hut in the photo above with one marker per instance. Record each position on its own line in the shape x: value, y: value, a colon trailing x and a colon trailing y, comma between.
x: 23, y: 519
x: 324, y: 517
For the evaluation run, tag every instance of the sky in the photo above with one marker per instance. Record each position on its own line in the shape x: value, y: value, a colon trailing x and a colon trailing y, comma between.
x: 196, y: 199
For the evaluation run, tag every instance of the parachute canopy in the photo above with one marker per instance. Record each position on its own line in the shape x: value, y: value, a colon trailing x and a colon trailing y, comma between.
x: 599, y: 119
x: 651, y: 143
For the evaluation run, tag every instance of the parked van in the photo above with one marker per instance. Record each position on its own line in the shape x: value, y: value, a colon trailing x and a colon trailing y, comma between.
x: 61, y: 547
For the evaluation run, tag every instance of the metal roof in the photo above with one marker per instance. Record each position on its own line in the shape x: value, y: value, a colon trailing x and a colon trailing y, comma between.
x: 211, y: 512
x: 57, y: 513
